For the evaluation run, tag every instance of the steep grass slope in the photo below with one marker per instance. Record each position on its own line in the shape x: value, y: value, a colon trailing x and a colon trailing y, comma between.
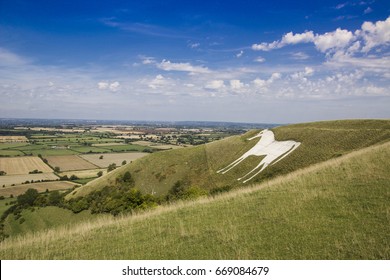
x: 338, y: 209
x: 197, y: 166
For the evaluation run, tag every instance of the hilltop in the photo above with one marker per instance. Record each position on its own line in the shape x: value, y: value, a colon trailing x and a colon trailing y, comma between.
x: 198, y: 166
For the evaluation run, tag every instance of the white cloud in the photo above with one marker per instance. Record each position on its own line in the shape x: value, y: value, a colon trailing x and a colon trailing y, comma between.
x: 371, y: 35
x: 300, y: 56
x: 274, y: 77
x: 259, y: 59
x: 194, y: 45
x: 333, y: 40
x: 148, y: 61
x: 303, y: 74
x: 368, y: 10
x: 114, y: 86
x: 111, y: 86
x: 239, y: 54
x: 291, y: 39
x: 185, y: 67
x: 236, y: 84
x: 375, y: 34
x: 8, y: 58
x: 215, y: 84
x: 103, y: 85
x: 287, y: 39
x: 259, y: 83
x: 159, y: 82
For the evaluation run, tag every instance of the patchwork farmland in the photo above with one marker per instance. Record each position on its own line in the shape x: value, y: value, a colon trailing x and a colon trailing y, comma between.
x: 71, y: 162
x: 23, y: 165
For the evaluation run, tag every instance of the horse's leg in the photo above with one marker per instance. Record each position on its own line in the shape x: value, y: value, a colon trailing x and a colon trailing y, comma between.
x: 254, y: 169
x: 264, y: 166
x: 288, y: 152
x: 230, y: 166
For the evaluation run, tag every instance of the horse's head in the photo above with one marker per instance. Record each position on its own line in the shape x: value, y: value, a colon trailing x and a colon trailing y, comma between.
x: 258, y: 135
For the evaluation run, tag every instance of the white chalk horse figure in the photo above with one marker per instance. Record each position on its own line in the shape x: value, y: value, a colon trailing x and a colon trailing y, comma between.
x: 267, y: 146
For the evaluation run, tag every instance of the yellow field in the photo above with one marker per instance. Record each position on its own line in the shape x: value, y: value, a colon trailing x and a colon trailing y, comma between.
x: 23, y: 165
x: 112, y: 158
x: 108, y: 144
x: 157, y: 145
x: 13, y: 139
x: 72, y: 162
x: 18, y: 179
x: 83, y: 173
x: 40, y: 187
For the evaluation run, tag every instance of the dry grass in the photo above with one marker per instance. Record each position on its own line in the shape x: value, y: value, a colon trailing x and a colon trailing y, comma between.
x: 112, y: 158
x: 13, y: 139
x: 82, y: 174
x: 19, y: 179
x: 108, y: 144
x: 23, y: 165
x: 71, y: 162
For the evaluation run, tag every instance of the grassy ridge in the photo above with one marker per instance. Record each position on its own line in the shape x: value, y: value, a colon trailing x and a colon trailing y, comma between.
x: 334, y: 210
x: 197, y: 166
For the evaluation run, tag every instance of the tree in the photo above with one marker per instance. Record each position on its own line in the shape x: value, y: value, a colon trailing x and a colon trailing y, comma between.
x: 2, y: 173
x: 101, y: 157
x: 111, y: 167
x: 124, y: 162
x: 57, y: 169
x: 28, y: 198
x: 100, y: 174
x: 55, y: 198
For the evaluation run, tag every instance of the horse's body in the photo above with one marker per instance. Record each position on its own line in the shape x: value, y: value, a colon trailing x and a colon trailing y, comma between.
x: 267, y: 146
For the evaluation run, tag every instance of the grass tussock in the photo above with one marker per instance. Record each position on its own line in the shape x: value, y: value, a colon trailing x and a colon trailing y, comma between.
x: 333, y: 210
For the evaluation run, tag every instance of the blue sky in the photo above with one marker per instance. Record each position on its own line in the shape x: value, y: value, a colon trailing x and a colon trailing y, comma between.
x: 243, y: 61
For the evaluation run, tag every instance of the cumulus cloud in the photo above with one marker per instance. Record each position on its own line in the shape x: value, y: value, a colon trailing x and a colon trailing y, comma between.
x: 333, y: 40
x: 111, y: 86
x: 375, y: 34
x: 103, y: 85
x: 287, y: 39
x: 215, y: 84
x: 370, y: 36
x: 185, y: 67
x: 303, y: 74
x: 260, y: 83
x: 159, y: 82
x: 236, y: 84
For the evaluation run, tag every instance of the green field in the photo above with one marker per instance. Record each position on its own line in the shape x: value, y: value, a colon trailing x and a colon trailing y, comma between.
x: 338, y: 209
x: 197, y: 166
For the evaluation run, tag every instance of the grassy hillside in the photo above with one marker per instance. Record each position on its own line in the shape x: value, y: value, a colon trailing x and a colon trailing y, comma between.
x: 197, y: 166
x: 44, y: 218
x: 338, y: 209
